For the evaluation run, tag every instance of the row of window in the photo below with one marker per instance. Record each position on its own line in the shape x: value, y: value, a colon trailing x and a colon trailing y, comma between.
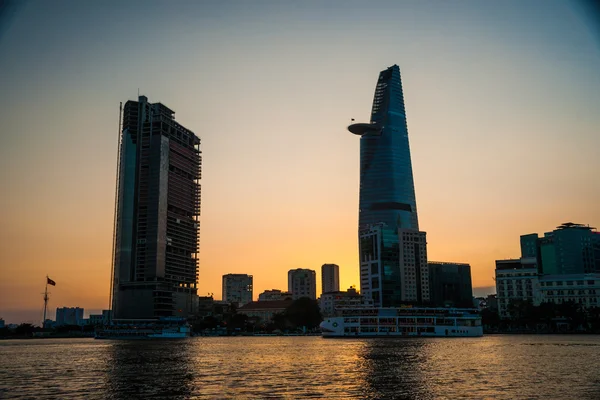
x: 569, y: 292
x: 568, y: 283
x: 511, y: 293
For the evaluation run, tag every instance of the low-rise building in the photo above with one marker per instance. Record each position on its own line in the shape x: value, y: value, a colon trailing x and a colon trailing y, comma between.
x: 491, y: 302
x: 69, y: 316
x: 205, y: 306
x: 450, y: 284
x: 331, y: 302
x: 96, y: 319
x: 107, y: 316
x: 516, y: 279
x: 265, y: 310
x: 302, y: 283
x: 237, y: 288
x: 274, y: 295
x: 582, y: 289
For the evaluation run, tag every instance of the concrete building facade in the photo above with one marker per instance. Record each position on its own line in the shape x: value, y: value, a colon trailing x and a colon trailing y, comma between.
x: 157, y: 215
x: 69, y: 316
x: 516, y: 279
x: 237, y: 288
x: 274, y: 295
x: 331, y: 302
x: 302, y: 283
x: 450, y: 284
x: 581, y: 289
x: 414, y: 271
x: 330, y: 278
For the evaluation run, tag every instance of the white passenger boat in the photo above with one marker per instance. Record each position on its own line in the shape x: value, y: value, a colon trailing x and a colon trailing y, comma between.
x: 163, y: 328
x: 394, y: 322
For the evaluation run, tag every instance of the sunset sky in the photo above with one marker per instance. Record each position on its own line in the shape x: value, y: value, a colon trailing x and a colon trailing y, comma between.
x: 503, y: 110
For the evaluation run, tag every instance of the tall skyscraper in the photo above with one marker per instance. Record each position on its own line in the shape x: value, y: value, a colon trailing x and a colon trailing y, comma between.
x: 156, y: 214
x: 330, y: 278
x: 393, y: 255
x: 237, y: 288
x: 302, y: 283
x: 387, y: 190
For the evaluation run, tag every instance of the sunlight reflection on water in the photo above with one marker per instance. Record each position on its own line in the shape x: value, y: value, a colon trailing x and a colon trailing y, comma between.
x: 498, y: 367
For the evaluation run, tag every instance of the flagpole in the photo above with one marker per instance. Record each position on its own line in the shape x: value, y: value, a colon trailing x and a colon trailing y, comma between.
x: 45, y: 303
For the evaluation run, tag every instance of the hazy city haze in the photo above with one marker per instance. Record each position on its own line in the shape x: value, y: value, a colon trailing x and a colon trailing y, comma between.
x: 502, y: 103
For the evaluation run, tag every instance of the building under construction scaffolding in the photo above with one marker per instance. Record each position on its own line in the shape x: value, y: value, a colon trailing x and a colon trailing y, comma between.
x: 157, y: 210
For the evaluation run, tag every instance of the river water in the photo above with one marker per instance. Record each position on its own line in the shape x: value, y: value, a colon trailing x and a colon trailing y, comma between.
x: 492, y: 367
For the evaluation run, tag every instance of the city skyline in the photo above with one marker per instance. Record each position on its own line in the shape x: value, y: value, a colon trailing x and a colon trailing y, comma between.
x: 503, y: 131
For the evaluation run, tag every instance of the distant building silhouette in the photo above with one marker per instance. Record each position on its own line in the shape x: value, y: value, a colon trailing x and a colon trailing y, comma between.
x: 392, y: 250
x: 69, y: 316
x: 330, y: 278
x: 569, y: 249
x: 265, y: 310
x: 331, y: 302
x: 96, y: 319
x: 157, y: 215
x: 516, y: 280
x: 562, y: 266
x: 302, y: 283
x: 450, y: 284
x: 237, y: 288
x: 274, y: 295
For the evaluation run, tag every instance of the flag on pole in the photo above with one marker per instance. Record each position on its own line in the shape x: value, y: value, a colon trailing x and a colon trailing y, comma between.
x: 51, y: 282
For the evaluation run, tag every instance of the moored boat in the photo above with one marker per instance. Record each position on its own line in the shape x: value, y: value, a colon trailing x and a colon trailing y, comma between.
x: 398, y: 322
x: 163, y: 328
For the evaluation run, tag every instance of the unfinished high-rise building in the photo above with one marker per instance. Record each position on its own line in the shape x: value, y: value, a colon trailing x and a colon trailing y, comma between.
x: 156, y: 215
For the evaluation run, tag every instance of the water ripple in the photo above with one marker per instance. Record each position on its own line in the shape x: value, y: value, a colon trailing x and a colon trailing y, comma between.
x: 492, y: 367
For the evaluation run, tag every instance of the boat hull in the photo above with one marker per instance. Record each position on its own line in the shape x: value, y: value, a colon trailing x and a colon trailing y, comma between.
x: 421, y: 322
x: 117, y: 333
x: 470, y: 332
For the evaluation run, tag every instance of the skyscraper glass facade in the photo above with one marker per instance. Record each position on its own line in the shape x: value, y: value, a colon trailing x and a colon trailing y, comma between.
x: 387, y: 190
x: 387, y: 199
